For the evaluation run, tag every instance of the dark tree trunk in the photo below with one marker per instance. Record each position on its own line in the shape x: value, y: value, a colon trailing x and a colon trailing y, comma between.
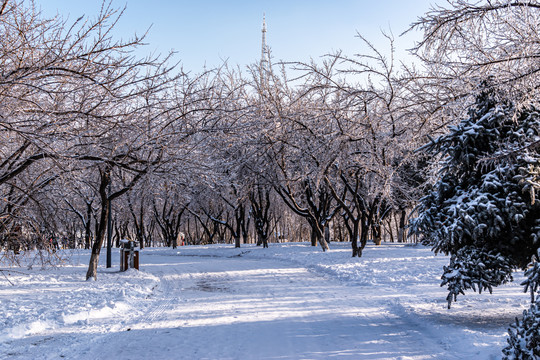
x: 364, y: 232
x: 354, y: 239
x: 102, y: 225
x: 260, y: 208
x: 88, y: 225
x: 401, y: 228
x: 377, y: 233
x: 314, y: 238
x: 240, y: 219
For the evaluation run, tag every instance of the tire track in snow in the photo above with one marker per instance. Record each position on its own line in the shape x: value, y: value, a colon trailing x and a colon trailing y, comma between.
x: 166, y: 299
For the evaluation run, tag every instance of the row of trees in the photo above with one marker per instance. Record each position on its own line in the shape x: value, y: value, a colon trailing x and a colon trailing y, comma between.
x: 224, y: 155
x: 90, y: 130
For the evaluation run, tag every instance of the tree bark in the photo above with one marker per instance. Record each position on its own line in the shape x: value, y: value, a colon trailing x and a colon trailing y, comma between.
x: 87, y: 228
x: 100, y: 236
x: 401, y: 229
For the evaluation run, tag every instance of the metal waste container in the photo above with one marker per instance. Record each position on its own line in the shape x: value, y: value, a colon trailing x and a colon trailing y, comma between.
x: 129, y: 257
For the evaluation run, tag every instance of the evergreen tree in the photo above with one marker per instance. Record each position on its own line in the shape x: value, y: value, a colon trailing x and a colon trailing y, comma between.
x: 524, y: 339
x: 480, y: 210
x: 524, y: 336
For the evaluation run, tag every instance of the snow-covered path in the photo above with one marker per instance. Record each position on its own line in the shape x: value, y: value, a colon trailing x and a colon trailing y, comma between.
x: 234, y: 308
x: 192, y: 305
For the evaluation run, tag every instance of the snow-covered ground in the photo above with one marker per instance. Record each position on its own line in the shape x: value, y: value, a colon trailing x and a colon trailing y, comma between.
x: 290, y: 301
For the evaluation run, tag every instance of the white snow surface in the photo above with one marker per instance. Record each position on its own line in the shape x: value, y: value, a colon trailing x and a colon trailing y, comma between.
x: 290, y: 301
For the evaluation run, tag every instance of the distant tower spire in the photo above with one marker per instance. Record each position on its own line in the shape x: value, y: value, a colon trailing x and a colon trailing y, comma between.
x: 264, y: 51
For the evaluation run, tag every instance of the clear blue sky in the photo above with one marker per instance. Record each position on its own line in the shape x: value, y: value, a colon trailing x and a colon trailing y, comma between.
x: 209, y: 31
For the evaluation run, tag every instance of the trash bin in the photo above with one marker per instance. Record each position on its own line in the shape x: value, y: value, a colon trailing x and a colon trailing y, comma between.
x: 129, y: 257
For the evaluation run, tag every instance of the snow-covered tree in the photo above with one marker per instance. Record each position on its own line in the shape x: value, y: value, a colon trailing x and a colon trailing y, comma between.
x: 480, y: 210
x: 469, y: 40
x: 376, y: 127
x: 524, y: 335
x: 524, y: 339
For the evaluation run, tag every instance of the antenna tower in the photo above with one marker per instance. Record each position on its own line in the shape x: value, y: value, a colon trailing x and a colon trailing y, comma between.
x: 264, y: 53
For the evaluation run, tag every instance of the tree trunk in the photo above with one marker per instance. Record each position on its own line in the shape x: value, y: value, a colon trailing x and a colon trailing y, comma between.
x: 401, y: 230
x: 377, y: 233
x: 363, y: 234
x: 313, y: 237
x: 354, y: 239
x: 316, y: 235
x: 100, y: 236
x: 87, y: 226
x: 327, y: 234
x: 324, y: 244
x: 98, y: 243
